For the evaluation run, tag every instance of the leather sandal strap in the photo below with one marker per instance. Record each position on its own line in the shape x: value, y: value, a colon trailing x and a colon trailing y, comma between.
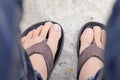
x: 43, y: 49
x: 91, y: 51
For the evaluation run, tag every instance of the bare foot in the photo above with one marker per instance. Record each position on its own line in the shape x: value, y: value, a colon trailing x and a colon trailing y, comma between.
x: 93, y: 64
x: 38, y: 35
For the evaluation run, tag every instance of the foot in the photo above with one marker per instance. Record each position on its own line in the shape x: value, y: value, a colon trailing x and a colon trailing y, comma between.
x: 38, y: 35
x: 91, y: 67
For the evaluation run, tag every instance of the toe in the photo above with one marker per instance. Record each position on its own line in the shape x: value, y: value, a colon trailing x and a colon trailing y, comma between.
x: 54, y: 36
x: 98, y: 35
x: 87, y: 36
x: 45, y: 30
x: 26, y: 40
x: 86, y: 39
x: 37, y: 31
x: 103, y: 40
x: 29, y: 35
x: 23, y: 40
x: 55, y: 32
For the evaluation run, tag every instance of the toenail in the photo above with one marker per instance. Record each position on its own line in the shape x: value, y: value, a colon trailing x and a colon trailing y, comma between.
x: 48, y: 23
x: 56, y: 27
x: 88, y: 30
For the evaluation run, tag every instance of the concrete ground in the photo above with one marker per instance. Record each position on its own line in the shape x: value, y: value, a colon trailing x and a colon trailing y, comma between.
x: 72, y: 15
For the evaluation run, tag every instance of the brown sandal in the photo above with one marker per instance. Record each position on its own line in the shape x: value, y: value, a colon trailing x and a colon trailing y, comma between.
x: 91, y: 51
x: 43, y: 49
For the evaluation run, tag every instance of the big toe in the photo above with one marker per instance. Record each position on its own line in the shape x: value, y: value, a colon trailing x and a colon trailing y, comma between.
x: 54, y: 36
x: 86, y: 38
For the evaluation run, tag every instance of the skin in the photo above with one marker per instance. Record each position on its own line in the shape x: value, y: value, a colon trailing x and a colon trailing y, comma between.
x: 38, y: 35
x: 93, y: 65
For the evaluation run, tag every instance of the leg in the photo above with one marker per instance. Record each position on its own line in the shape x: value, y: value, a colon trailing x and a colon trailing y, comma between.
x: 39, y: 35
x: 93, y: 65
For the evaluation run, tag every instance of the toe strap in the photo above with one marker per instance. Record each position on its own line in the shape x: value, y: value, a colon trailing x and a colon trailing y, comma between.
x: 43, y: 49
x: 91, y: 51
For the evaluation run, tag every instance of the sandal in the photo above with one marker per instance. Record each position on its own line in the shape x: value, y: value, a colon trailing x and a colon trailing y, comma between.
x: 43, y: 49
x: 91, y: 51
